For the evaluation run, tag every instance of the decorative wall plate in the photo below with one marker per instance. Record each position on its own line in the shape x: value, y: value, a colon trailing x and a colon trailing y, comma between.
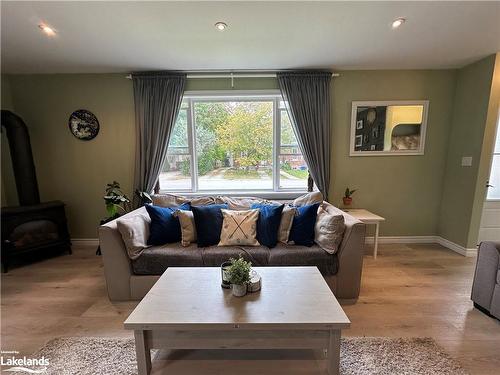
x: 83, y: 125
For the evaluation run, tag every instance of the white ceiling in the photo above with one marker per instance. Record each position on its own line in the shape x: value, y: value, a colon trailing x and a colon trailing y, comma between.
x: 131, y: 36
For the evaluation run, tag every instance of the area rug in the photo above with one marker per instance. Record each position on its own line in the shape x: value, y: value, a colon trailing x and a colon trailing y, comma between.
x: 359, y: 356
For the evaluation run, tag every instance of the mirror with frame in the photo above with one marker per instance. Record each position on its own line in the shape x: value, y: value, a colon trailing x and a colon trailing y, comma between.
x: 388, y: 127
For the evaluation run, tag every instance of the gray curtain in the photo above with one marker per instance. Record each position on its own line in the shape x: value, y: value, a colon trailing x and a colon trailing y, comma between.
x: 308, y: 102
x: 157, y: 98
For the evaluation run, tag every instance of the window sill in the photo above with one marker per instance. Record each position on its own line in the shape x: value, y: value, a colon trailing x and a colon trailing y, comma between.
x: 259, y: 194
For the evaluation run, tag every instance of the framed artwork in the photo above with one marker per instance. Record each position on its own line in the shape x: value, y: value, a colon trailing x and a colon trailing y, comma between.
x: 395, y: 127
x: 83, y: 125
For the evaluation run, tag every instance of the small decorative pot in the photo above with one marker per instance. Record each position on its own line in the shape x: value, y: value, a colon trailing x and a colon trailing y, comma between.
x: 239, y: 290
x: 347, y: 201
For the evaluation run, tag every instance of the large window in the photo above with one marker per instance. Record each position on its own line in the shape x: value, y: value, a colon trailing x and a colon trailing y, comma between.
x: 233, y: 143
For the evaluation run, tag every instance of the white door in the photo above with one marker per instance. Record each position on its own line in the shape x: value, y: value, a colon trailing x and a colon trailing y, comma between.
x: 490, y: 219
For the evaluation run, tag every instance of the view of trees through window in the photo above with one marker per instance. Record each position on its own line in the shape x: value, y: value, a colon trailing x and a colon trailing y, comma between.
x: 230, y: 145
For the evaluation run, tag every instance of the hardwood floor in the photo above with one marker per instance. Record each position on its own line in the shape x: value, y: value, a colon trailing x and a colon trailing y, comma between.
x: 410, y: 290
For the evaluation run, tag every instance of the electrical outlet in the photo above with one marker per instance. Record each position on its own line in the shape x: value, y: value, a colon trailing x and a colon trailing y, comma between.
x: 466, y: 161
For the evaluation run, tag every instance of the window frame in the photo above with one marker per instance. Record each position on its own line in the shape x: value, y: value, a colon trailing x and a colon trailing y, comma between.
x: 494, y: 153
x: 274, y: 96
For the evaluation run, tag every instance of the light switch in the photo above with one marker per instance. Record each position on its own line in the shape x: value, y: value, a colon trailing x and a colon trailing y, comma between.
x: 466, y: 161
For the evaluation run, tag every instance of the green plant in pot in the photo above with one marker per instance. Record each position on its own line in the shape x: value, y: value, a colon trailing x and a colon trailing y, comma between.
x: 116, y: 201
x: 348, y: 196
x: 239, y: 275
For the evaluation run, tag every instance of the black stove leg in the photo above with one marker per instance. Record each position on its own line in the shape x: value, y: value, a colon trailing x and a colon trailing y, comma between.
x: 4, y: 265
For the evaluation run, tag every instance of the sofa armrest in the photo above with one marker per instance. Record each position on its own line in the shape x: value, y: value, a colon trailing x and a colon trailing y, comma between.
x: 350, y: 258
x: 485, y: 275
x: 117, y: 264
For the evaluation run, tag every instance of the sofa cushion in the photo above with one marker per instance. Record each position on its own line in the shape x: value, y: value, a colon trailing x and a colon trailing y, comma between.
x: 268, y: 223
x: 329, y: 228
x: 287, y: 216
x: 173, y: 200
x: 156, y: 259
x: 165, y: 227
x: 214, y: 256
x: 239, y: 228
x: 308, y: 199
x: 302, y: 232
x: 208, y: 220
x: 188, y: 227
x: 286, y: 255
x: 135, y: 233
x: 239, y: 203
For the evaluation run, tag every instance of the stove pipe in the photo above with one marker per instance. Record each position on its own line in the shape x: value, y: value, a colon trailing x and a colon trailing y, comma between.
x: 22, y: 159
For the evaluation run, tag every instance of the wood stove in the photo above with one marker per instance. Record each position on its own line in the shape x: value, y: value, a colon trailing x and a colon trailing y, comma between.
x: 32, y: 226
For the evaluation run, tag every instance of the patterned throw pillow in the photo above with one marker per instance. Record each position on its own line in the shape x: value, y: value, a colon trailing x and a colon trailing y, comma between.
x: 239, y: 228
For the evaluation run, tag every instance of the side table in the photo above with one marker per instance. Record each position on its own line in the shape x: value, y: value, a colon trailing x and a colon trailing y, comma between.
x: 367, y: 217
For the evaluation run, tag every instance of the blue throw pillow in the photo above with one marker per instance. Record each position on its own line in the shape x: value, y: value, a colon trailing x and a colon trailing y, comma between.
x: 208, y: 221
x: 268, y: 223
x: 165, y: 227
x: 302, y: 232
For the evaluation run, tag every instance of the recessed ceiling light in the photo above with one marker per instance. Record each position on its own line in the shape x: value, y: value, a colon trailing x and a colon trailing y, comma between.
x: 398, y: 22
x: 47, y: 29
x: 221, y: 26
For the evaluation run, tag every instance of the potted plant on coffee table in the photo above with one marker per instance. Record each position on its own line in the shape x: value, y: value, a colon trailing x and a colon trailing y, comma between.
x: 239, y: 275
x: 348, y: 196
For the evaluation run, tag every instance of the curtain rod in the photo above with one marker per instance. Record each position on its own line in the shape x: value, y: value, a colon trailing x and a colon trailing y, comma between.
x: 231, y: 75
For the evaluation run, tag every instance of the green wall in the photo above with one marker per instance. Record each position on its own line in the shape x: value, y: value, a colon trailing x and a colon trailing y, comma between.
x: 68, y: 169
x: 404, y: 189
x: 464, y: 187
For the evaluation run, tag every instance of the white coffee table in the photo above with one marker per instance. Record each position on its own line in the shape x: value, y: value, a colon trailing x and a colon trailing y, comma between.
x: 367, y: 217
x: 188, y: 309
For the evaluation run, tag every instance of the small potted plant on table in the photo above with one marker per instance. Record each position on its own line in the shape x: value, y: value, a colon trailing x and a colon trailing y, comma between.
x: 239, y: 275
x: 348, y: 196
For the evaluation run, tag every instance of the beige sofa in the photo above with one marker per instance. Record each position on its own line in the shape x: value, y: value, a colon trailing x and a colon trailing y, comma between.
x: 126, y: 279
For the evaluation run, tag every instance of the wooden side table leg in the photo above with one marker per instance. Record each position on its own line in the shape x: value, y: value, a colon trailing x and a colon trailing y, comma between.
x: 375, y: 247
x: 143, y: 353
x: 333, y: 359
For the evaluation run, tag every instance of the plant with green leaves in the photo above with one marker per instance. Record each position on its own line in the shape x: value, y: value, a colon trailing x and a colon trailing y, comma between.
x: 144, y: 197
x: 348, y: 193
x: 239, y: 271
x: 115, y: 200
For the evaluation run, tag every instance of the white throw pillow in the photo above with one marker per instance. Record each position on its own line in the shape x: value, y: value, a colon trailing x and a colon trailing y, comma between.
x: 329, y: 228
x: 239, y: 228
x: 308, y: 199
x: 188, y: 227
x: 135, y: 234
x: 286, y: 224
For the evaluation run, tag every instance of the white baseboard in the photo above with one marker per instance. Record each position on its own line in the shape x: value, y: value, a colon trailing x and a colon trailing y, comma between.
x: 402, y: 239
x: 94, y: 242
x: 468, y: 252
